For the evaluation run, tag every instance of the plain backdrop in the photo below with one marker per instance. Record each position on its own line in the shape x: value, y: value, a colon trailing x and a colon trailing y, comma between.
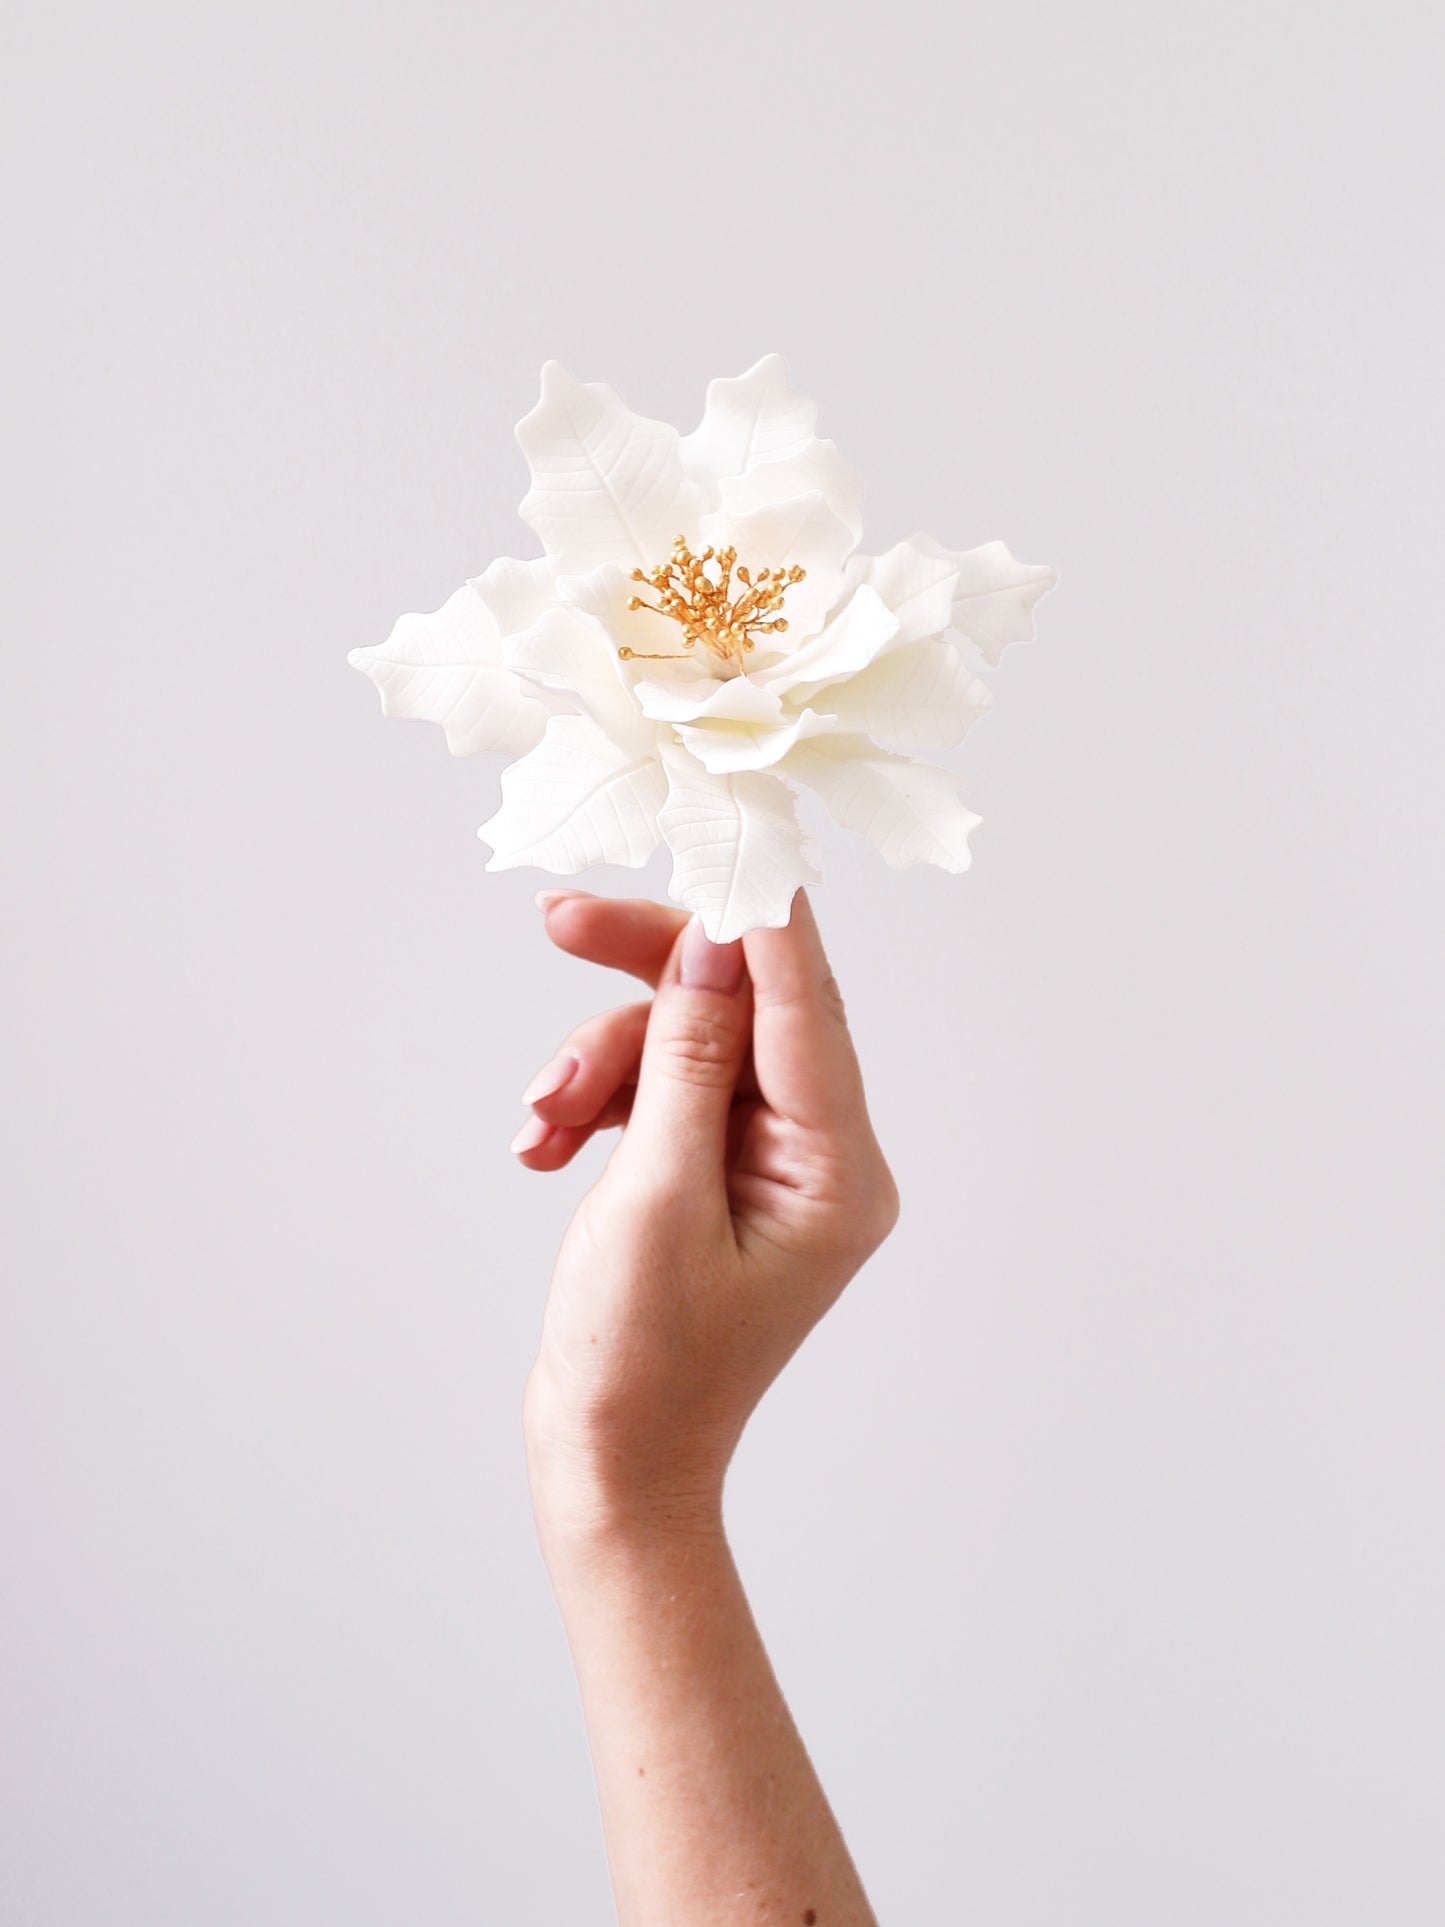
x: 1097, y: 1537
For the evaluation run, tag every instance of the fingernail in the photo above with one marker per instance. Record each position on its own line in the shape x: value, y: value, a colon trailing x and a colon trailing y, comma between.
x: 550, y: 1079
x: 704, y: 965
x: 532, y: 1136
x: 544, y: 899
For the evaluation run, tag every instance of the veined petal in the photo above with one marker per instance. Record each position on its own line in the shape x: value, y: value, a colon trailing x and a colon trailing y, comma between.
x: 579, y: 798
x: 818, y: 467
x: 604, y: 594
x: 516, y: 592
x: 916, y: 696
x: 607, y: 485
x: 447, y: 668
x: 910, y: 811
x: 750, y: 418
x: 738, y: 700
x: 916, y: 583
x: 994, y: 596
x: 721, y: 749
x: 861, y: 630
x: 572, y: 655
x: 739, y: 852
x: 801, y: 531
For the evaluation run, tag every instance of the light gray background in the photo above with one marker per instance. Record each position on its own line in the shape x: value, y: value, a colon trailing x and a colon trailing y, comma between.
x: 1098, y: 1536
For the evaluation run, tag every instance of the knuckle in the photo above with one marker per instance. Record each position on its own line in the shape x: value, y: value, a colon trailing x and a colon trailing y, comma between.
x: 698, y: 1047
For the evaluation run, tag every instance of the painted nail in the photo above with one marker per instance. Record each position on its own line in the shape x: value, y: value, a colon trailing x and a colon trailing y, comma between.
x: 552, y: 1077
x: 544, y: 899
x: 532, y: 1136
x: 709, y: 966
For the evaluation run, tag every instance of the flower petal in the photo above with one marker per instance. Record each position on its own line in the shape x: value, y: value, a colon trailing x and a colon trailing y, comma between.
x: 861, y: 630
x: 909, y: 810
x: 994, y: 596
x: 751, y: 418
x: 607, y: 485
x: 447, y: 668
x: 819, y: 467
x: 577, y: 799
x: 801, y: 531
x: 516, y: 592
x: 917, y: 696
x: 739, y: 852
x: 571, y: 654
x: 914, y: 581
x: 721, y: 750
x: 738, y: 700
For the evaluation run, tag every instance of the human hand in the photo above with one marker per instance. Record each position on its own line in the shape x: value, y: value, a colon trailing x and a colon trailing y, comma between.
x: 745, y: 1192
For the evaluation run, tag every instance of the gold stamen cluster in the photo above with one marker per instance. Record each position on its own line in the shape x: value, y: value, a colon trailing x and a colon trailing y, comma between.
x: 726, y: 621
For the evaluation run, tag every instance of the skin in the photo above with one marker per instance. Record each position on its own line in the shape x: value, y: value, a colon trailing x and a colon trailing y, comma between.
x: 746, y: 1190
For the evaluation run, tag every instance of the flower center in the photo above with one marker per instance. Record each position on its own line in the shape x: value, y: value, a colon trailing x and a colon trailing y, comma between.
x: 715, y: 603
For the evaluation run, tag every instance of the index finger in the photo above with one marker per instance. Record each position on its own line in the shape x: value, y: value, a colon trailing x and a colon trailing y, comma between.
x: 803, y: 1056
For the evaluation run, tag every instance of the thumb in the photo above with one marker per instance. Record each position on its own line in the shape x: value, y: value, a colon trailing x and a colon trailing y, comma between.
x: 697, y: 1038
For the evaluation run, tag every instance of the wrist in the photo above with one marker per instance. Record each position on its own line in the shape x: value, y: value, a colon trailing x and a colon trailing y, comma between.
x: 602, y: 1488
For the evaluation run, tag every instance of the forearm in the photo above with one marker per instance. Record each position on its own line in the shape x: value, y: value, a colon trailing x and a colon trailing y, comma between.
x: 711, y: 1808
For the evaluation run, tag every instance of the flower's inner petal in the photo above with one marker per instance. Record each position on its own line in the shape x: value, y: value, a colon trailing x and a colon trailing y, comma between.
x: 802, y: 532
x: 569, y: 652
x: 722, y: 750
x: 737, y: 700
x: 862, y: 629
x: 752, y: 418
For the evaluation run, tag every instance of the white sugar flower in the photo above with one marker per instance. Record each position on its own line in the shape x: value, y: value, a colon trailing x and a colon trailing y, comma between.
x: 699, y: 638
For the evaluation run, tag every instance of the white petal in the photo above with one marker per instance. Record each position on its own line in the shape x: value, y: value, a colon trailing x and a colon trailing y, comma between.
x: 819, y: 467
x: 578, y: 799
x: 738, y: 700
x: 607, y: 485
x: 916, y: 583
x: 739, y: 852
x: 755, y: 417
x: 803, y: 532
x: 918, y: 696
x: 722, y: 749
x: 994, y: 596
x: 573, y: 658
x: 516, y: 592
x: 604, y: 594
x: 861, y: 630
x: 909, y: 810
x: 447, y: 668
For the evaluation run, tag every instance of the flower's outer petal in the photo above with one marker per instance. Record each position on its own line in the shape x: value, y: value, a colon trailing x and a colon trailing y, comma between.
x: 909, y: 810
x: 862, y: 629
x: 738, y: 700
x: 917, y: 696
x: 571, y: 657
x: 915, y: 582
x: 578, y: 799
x: 819, y: 467
x: 723, y: 750
x: 447, y: 668
x: 751, y: 418
x: 517, y: 592
x: 739, y: 851
x: 994, y: 596
x: 801, y: 531
x: 607, y: 485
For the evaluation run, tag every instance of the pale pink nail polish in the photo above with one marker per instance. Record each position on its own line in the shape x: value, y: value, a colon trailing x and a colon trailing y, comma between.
x: 703, y: 965
x: 552, y: 1077
x: 532, y: 1136
x: 544, y: 899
